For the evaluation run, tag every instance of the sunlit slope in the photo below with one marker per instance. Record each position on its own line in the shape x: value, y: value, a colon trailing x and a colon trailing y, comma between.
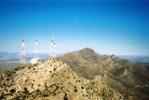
x: 53, y: 80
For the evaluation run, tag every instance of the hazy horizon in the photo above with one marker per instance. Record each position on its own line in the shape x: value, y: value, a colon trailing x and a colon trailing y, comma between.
x: 12, y: 60
x: 61, y: 53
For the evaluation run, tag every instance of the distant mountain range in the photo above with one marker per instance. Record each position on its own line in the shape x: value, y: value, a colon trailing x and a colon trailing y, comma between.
x: 135, y: 58
x: 129, y: 78
x: 12, y: 60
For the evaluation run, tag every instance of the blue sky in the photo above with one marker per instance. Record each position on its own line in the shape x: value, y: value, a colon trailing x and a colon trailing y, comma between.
x: 108, y: 27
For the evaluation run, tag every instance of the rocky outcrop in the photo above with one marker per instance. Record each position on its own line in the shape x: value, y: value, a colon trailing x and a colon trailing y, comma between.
x: 53, y: 80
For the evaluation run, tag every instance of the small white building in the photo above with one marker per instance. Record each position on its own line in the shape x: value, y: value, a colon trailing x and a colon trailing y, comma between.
x: 34, y: 60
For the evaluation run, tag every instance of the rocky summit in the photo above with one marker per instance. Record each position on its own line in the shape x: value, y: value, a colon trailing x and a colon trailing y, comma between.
x: 53, y: 79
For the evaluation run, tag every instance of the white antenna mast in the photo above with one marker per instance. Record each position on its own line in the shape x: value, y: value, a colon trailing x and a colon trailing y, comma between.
x: 23, y: 60
x: 53, y: 47
x: 36, y: 49
x: 35, y: 59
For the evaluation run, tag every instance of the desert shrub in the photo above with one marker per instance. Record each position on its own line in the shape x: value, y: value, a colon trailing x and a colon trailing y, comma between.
x: 4, y: 84
x: 45, y: 85
x: 54, y: 69
x: 75, y: 89
x: 82, y: 87
x: 12, y: 90
x: 26, y: 91
x: 45, y: 95
x: 65, y: 97
x: 54, y: 93
x: 1, y: 97
x: 57, y: 86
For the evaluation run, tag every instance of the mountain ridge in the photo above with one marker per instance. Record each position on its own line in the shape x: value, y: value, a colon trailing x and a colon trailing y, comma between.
x: 55, y: 80
x: 121, y: 73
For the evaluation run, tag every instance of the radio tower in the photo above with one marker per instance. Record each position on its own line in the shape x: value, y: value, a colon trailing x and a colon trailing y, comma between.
x: 23, y: 60
x: 35, y: 59
x: 53, y: 48
x: 36, y: 49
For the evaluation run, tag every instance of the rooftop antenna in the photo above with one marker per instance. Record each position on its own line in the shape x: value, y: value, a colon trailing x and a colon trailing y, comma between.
x: 23, y: 60
x: 53, y: 47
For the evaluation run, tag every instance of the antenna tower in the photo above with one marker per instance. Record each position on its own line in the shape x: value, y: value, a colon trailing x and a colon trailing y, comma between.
x: 53, y: 47
x: 23, y: 60
x: 36, y: 49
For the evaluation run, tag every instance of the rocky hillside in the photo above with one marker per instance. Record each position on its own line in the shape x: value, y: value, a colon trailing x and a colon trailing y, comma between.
x: 53, y: 80
x: 129, y: 78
